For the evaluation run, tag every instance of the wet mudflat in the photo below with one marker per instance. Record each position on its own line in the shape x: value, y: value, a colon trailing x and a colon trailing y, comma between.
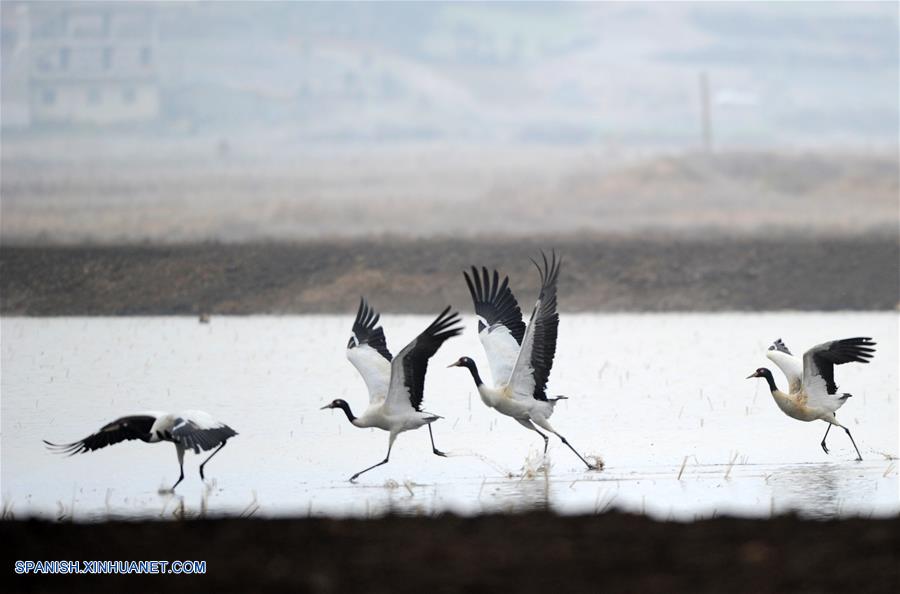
x: 661, y: 399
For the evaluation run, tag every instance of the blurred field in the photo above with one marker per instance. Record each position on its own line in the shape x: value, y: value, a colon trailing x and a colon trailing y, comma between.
x: 443, y: 191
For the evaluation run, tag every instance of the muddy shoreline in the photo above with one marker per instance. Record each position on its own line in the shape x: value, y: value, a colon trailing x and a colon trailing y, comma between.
x: 421, y: 276
x: 523, y: 553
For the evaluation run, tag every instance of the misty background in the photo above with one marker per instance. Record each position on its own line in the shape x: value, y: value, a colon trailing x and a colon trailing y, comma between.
x: 189, y: 121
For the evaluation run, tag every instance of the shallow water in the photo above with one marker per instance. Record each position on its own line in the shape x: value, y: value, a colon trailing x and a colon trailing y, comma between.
x: 661, y: 398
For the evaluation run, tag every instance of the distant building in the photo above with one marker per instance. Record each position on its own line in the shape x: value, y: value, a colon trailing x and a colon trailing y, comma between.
x: 89, y: 63
x: 15, y: 68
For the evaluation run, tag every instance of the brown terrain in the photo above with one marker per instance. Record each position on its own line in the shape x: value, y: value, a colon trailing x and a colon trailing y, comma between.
x: 422, y: 276
x: 536, y: 552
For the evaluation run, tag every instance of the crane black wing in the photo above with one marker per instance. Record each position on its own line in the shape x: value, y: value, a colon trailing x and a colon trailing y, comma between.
x: 500, y: 325
x: 409, y: 366
x: 366, y: 330
x: 819, y: 361
x: 200, y: 432
x: 368, y: 352
x: 495, y: 303
x: 532, y: 369
x: 123, y: 429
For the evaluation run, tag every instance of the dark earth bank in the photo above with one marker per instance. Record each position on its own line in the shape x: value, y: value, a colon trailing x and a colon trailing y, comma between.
x: 537, y: 552
x: 422, y: 276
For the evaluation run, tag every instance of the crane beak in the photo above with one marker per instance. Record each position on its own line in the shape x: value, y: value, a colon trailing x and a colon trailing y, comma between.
x: 751, y: 376
x: 326, y: 406
x: 454, y: 364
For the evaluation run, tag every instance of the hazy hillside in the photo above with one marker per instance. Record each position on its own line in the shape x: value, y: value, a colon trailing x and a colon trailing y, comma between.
x: 294, y: 121
x: 622, y: 74
x: 418, y: 191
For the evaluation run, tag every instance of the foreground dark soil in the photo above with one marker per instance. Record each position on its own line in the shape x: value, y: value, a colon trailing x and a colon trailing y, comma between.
x: 422, y: 276
x: 537, y: 552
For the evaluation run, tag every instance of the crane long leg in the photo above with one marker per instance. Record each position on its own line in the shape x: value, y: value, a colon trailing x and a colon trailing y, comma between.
x: 210, y: 456
x: 580, y: 457
x: 434, y: 449
x: 529, y: 425
x: 858, y: 455
x: 824, y: 447
x: 385, y: 461
x: 180, y: 451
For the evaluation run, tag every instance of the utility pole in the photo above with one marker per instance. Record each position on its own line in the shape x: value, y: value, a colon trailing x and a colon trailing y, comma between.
x: 705, y: 113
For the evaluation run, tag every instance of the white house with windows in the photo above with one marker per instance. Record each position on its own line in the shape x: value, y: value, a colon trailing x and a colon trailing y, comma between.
x: 92, y: 63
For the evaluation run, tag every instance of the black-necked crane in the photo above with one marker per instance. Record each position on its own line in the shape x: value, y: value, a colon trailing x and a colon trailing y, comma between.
x: 396, y: 384
x: 812, y: 394
x: 520, y: 359
x: 188, y: 430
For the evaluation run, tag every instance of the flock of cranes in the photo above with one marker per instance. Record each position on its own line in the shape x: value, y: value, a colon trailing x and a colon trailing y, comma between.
x: 520, y: 358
